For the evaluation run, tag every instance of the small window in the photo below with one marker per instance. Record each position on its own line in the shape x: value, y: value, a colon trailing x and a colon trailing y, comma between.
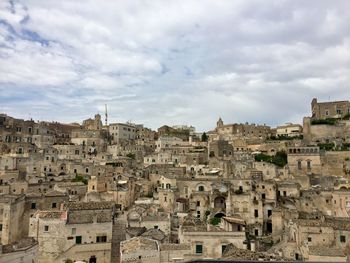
x: 46, y: 228
x: 78, y: 240
x: 342, y: 239
x: 0, y: 227
x: 256, y: 213
x: 223, y: 247
x: 54, y: 205
x: 299, y: 165
x: 201, y: 188
x: 33, y: 206
x: 199, y: 248
x: 309, y: 239
x: 308, y: 165
x: 155, y: 227
x: 198, y: 203
x: 101, y: 239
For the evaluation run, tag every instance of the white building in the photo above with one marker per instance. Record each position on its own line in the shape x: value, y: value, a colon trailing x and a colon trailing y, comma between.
x: 122, y: 131
x: 290, y: 130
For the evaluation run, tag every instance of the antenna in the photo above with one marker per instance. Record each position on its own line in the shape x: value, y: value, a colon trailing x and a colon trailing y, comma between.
x: 106, y: 114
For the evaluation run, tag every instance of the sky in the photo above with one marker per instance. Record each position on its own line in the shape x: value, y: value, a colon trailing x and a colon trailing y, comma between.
x: 173, y: 62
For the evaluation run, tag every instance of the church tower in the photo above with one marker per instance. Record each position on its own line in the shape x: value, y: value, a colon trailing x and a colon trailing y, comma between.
x: 219, y: 123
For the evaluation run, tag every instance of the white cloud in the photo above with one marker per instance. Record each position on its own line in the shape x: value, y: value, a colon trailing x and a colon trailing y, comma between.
x: 173, y: 62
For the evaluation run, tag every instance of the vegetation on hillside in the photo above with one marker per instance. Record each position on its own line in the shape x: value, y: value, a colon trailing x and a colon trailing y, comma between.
x: 79, y: 178
x: 280, y: 159
x: 329, y: 121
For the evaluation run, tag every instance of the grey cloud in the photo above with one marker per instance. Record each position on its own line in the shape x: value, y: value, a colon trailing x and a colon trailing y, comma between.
x: 176, y: 62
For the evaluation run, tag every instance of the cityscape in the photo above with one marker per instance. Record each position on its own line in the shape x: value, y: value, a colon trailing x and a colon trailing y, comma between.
x: 174, y: 131
x: 121, y: 192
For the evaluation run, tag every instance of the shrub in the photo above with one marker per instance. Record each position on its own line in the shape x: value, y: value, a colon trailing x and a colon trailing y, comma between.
x: 326, y: 146
x: 131, y: 155
x: 346, y: 116
x: 280, y: 159
x: 215, y: 221
x: 79, y: 178
x: 328, y: 121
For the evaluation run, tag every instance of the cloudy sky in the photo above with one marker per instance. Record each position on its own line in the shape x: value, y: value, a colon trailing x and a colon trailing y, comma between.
x: 173, y: 62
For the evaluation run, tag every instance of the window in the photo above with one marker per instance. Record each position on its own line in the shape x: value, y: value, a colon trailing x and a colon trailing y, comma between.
x: 199, y: 248
x: 309, y: 239
x: 201, y: 188
x: 223, y: 247
x: 198, y: 203
x: 256, y: 213
x: 269, y: 212
x: 0, y: 227
x: 263, y: 196
x: 327, y: 112
x: 256, y: 232
x: 342, y: 239
x: 299, y: 165
x: 33, y: 206
x: 155, y: 227
x: 54, y: 205
x: 78, y: 240
x: 309, y: 165
x: 101, y: 239
x: 46, y: 228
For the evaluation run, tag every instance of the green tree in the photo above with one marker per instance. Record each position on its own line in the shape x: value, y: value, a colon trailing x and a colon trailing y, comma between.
x: 79, y: 178
x: 280, y: 159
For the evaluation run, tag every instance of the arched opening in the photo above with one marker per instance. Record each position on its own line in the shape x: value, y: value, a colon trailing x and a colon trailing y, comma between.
x: 93, y: 259
x: 219, y: 215
x: 220, y: 202
x: 201, y: 188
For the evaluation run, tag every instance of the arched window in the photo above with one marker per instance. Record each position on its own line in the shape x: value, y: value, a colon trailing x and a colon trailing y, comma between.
x: 201, y: 188
x: 168, y: 186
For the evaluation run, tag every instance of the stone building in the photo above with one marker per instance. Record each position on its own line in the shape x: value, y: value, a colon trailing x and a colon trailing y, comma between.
x: 122, y: 131
x: 304, y: 160
x: 81, y: 231
x: 208, y: 241
x: 24, y: 251
x: 11, y: 216
x: 332, y: 109
x: 233, y: 131
x: 289, y: 130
